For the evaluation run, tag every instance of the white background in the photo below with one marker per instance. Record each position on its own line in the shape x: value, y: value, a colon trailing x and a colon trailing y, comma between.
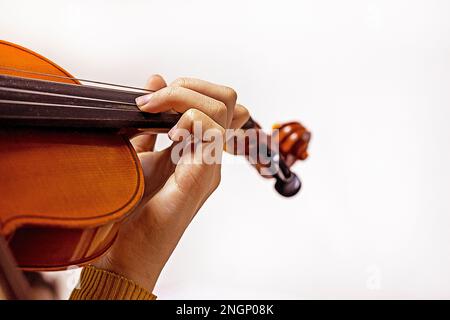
x: 371, y: 80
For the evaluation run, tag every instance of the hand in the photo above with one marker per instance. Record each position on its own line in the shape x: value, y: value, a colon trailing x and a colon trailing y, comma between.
x: 174, y: 192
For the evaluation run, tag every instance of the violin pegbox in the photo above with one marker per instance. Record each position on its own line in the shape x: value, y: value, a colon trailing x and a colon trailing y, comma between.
x: 293, y: 139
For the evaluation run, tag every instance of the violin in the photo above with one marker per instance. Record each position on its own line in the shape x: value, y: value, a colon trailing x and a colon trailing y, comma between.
x: 69, y: 175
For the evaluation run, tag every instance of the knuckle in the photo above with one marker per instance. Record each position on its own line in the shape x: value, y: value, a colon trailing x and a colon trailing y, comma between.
x: 191, y: 114
x: 171, y: 91
x: 220, y: 112
x: 217, y: 130
x: 180, y: 82
x: 231, y: 95
x: 221, y: 107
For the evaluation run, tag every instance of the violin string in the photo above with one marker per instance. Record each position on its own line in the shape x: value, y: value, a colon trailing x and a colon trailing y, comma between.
x: 72, y: 96
x: 58, y: 95
x: 126, y: 105
x: 3, y: 101
x: 73, y: 78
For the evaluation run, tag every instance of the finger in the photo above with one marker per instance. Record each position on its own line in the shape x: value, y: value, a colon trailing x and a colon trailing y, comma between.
x: 155, y: 82
x: 192, y: 120
x: 181, y: 99
x: 235, y: 140
x: 191, y: 174
x: 192, y: 182
x: 157, y: 168
x: 145, y: 141
x: 240, y: 117
x: 219, y: 92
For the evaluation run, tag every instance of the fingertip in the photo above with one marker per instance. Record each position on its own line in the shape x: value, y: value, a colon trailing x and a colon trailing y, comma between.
x: 240, y: 116
x: 143, y: 142
x: 172, y: 132
x: 155, y: 82
x: 242, y: 112
x: 142, y: 101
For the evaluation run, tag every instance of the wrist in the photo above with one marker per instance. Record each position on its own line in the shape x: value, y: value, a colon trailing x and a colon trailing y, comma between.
x: 136, y: 272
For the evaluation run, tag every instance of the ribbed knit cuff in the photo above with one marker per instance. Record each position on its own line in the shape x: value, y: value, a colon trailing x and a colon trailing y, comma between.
x: 99, y: 284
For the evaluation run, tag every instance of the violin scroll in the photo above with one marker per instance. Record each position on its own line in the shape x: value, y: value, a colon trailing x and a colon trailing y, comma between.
x: 293, y: 139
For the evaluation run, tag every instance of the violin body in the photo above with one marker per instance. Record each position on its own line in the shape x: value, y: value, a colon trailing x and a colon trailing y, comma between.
x: 64, y: 192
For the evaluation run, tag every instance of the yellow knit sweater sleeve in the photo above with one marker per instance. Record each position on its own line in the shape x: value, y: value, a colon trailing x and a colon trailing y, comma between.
x: 98, y: 284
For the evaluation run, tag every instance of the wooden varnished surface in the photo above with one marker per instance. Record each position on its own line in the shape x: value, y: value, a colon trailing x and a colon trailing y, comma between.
x: 51, y: 177
x: 63, y: 192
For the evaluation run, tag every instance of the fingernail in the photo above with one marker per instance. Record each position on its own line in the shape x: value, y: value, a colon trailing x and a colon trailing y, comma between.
x: 140, y: 101
x: 172, y: 132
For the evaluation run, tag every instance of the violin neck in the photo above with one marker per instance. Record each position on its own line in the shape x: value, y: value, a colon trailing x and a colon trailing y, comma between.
x: 31, y: 102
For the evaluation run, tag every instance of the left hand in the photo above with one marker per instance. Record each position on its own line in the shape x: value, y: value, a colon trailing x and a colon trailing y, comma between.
x: 174, y: 192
